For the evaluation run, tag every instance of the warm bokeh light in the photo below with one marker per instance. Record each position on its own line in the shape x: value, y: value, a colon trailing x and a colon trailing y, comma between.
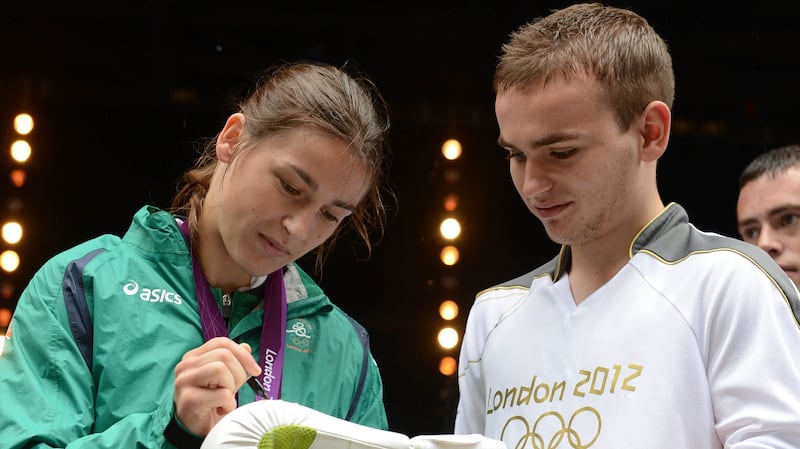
x: 451, y: 149
x: 6, y: 290
x: 5, y: 322
x: 12, y: 232
x: 448, y: 338
x: 448, y: 365
x: 15, y: 205
x: 452, y: 175
x: 9, y: 260
x: 449, y: 255
x: 23, y: 124
x: 449, y: 282
x: 20, y: 151
x: 451, y: 202
x: 448, y: 309
x: 17, y: 177
x: 450, y: 228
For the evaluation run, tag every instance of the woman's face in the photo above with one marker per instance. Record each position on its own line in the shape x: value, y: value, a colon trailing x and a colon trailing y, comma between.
x: 282, y: 197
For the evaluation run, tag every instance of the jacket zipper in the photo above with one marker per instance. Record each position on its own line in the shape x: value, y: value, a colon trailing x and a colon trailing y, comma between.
x: 227, y: 306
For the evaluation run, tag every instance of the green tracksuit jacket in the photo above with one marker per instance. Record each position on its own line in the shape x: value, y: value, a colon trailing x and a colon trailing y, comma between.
x: 98, y: 331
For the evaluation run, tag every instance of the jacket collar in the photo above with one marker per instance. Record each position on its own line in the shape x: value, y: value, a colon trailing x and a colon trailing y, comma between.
x: 671, y: 216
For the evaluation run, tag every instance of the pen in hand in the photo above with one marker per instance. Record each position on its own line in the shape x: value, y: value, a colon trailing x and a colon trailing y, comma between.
x: 255, y: 385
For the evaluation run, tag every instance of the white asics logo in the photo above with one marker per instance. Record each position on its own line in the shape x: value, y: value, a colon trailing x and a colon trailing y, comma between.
x: 151, y: 294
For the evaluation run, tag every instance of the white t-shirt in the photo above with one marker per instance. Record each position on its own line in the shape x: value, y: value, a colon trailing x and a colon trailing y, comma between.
x: 692, y: 345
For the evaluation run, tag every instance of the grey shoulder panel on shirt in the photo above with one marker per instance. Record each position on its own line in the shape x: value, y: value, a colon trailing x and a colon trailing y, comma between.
x: 684, y: 240
x: 525, y: 280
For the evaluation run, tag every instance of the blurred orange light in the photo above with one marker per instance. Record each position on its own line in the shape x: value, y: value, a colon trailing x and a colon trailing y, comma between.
x: 21, y: 151
x: 449, y: 255
x: 448, y: 338
x: 450, y: 228
x: 448, y: 365
x: 15, y: 205
x: 11, y: 232
x: 6, y: 290
x: 451, y: 175
x: 9, y: 260
x: 448, y: 310
x: 23, y: 124
x: 451, y: 202
x: 451, y: 149
x: 17, y: 177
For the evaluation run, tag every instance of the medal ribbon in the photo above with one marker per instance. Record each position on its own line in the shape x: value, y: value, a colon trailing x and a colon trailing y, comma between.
x: 273, y: 327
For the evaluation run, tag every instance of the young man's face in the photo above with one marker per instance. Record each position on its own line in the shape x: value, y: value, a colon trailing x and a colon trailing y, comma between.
x: 768, y: 215
x: 573, y: 166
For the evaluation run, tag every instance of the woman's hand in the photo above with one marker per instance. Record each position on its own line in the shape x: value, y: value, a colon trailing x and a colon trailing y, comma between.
x: 207, y: 379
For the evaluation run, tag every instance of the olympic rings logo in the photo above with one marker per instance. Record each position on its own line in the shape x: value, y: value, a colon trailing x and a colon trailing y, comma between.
x: 550, y: 428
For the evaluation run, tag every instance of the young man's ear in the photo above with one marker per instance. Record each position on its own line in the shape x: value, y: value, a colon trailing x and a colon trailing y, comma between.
x: 655, y: 126
x: 229, y: 137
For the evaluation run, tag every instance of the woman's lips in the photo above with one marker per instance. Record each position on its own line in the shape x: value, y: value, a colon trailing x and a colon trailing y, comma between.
x: 274, y: 247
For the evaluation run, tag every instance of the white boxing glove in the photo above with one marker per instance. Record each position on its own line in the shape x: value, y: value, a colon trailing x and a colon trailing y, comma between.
x: 277, y: 424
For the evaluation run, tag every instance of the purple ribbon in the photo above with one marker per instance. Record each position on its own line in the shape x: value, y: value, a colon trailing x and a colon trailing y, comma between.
x: 273, y: 327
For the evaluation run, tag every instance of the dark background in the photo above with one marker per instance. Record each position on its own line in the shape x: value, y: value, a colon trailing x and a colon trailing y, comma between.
x: 122, y: 92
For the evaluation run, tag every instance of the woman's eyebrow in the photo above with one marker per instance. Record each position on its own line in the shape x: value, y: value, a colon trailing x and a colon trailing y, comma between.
x: 343, y: 205
x: 309, y: 181
x: 305, y: 177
